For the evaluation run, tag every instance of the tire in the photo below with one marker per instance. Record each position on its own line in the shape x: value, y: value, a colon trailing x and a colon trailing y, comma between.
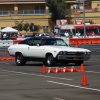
x: 78, y: 63
x: 20, y: 60
x: 50, y: 60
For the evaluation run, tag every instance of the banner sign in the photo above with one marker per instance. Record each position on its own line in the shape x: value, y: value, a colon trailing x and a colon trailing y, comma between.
x: 78, y: 22
x: 61, y: 22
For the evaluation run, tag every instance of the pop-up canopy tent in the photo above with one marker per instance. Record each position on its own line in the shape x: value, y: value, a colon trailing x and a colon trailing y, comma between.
x: 9, y: 29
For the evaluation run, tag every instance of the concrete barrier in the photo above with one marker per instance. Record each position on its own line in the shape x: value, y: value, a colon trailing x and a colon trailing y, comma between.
x: 4, y: 43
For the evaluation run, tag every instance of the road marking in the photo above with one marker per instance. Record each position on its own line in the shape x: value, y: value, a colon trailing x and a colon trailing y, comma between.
x: 92, y: 72
x: 4, y: 62
x: 36, y: 75
x: 74, y: 86
x: 58, y: 99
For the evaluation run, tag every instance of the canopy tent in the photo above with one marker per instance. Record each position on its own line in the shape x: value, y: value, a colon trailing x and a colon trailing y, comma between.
x: 9, y: 29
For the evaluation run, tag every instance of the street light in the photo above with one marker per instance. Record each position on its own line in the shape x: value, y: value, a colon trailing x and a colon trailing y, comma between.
x: 84, y: 18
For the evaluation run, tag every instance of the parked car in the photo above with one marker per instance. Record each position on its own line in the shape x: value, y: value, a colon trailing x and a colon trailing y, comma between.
x: 48, y: 50
x: 44, y: 35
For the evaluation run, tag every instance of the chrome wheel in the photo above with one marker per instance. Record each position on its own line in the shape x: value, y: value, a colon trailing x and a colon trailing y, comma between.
x: 20, y: 60
x: 49, y: 60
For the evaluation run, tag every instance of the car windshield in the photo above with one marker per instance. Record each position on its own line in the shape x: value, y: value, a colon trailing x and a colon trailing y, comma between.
x: 57, y: 42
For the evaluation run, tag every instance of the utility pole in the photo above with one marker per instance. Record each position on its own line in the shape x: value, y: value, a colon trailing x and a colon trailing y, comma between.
x: 84, y: 18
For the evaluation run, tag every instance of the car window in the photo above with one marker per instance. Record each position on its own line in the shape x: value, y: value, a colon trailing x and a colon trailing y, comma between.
x: 30, y: 42
x: 57, y: 42
x: 37, y: 41
x: 60, y: 42
x: 34, y: 42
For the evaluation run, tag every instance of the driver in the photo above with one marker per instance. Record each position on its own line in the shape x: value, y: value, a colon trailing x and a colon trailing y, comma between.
x: 43, y: 42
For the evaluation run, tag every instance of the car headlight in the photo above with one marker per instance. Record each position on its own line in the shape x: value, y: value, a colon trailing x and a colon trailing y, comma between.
x: 87, y: 53
x: 62, y: 53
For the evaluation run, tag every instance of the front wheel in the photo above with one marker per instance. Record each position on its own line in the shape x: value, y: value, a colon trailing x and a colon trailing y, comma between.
x: 50, y: 60
x: 20, y: 60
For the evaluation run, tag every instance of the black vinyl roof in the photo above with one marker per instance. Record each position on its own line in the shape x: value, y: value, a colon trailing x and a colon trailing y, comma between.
x: 42, y: 38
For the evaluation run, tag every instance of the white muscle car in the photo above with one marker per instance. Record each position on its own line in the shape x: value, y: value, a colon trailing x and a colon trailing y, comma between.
x: 48, y: 50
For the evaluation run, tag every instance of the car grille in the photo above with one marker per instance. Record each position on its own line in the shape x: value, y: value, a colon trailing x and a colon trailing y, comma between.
x: 75, y: 53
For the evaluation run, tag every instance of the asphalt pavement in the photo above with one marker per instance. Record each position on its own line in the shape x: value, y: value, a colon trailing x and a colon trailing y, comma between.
x: 28, y: 83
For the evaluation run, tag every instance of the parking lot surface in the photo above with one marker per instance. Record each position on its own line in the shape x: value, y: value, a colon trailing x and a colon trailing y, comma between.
x: 28, y: 83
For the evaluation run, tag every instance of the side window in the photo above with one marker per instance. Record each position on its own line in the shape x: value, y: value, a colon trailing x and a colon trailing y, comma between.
x: 34, y: 42
x: 37, y: 41
x: 60, y: 42
x: 30, y: 42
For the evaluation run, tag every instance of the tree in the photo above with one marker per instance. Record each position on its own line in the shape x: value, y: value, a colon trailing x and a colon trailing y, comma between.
x: 26, y: 27
x: 19, y: 26
x: 57, y: 9
x: 34, y: 27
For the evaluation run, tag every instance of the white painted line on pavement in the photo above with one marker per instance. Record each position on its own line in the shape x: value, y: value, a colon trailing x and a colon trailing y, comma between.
x: 54, y: 77
x: 92, y: 72
x: 58, y: 99
x: 37, y: 75
x: 4, y: 63
x: 74, y: 86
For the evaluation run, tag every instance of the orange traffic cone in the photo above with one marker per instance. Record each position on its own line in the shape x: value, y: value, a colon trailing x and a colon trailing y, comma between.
x: 84, y: 80
x: 59, y: 70
x: 74, y: 69
x: 5, y: 52
x: 50, y: 70
x: 43, y: 69
x: 10, y: 58
x: 3, y: 58
x: 82, y: 68
x: 66, y: 69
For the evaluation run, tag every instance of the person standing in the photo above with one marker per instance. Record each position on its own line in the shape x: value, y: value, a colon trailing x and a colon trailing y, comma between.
x: 52, y: 34
x: 66, y: 34
x: 4, y: 36
x: 34, y: 34
x: 78, y: 34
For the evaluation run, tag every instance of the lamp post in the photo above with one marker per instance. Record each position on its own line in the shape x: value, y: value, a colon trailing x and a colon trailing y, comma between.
x: 84, y: 18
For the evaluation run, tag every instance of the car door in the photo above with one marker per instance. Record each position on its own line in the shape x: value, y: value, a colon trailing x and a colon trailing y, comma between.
x: 34, y: 49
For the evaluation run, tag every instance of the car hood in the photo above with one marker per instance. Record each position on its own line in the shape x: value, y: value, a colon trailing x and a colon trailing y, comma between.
x: 66, y: 48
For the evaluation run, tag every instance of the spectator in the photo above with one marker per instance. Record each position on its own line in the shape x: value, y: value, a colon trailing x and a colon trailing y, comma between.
x: 0, y: 35
x: 4, y: 35
x: 52, y: 34
x: 43, y: 42
x: 87, y: 33
x: 66, y: 34
x: 91, y: 33
x: 34, y: 34
x: 71, y: 33
x: 78, y: 34
x: 20, y: 34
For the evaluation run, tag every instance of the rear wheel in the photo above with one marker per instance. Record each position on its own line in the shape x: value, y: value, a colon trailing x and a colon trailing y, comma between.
x: 20, y: 60
x: 49, y: 60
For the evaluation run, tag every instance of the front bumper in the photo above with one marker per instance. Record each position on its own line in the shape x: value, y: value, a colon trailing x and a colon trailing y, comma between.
x: 69, y: 57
